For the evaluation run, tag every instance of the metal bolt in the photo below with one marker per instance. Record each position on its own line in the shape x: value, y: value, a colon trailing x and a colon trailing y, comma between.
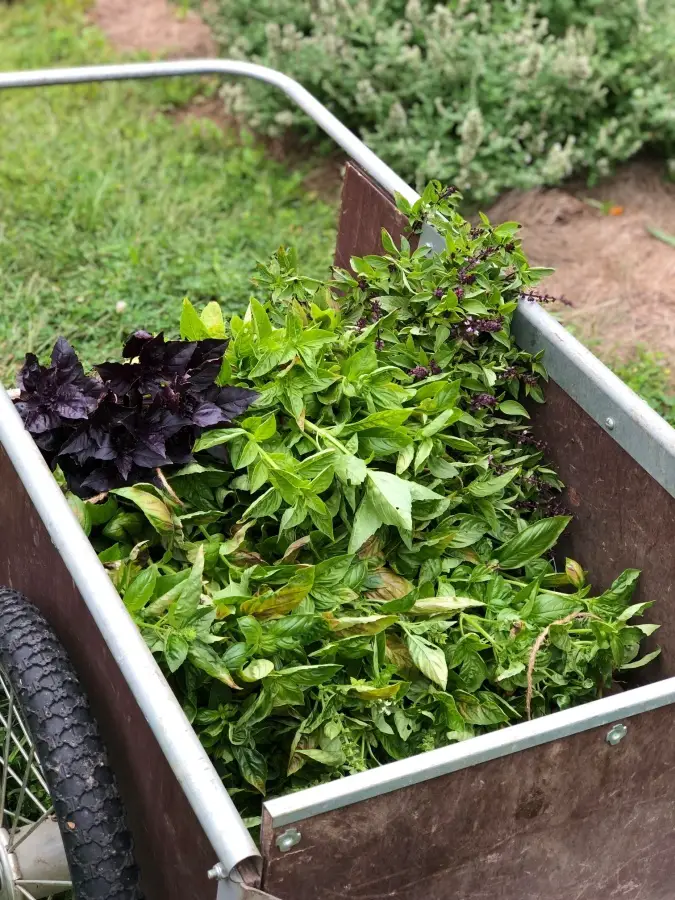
x: 217, y: 873
x: 609, y: 422
x: 288, y: 839
x: 616, y: 734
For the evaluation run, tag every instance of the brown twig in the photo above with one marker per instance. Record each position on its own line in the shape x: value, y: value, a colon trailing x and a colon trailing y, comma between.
x: 536, y: 647
x: 99, y: 498
x: 167, y: 487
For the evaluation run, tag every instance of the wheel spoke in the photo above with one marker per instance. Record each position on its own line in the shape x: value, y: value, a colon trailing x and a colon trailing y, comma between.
x: 3, y: 787
x: 17, y: 743
x: 27, y: 833
x: 22, y: 794
x: 48, y: 883
x: 40, y: 805
x: 24, y: 892
x: 23, y: 819
x: 9, y: 693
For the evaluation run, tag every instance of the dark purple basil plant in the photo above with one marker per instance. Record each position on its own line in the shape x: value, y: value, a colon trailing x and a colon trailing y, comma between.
x: 137, y: 416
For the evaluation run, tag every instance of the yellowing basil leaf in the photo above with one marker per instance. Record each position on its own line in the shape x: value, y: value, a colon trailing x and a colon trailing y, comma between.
x: 430, y: 606
x: 390, y: 585
x: 82, y: 512
x: 351, y: 626
x: 155, y: 511
x: 212, y: 320
x: 429, y: 659
x: 256, y: 670
x: 284, y: 600
x: 370, y: 692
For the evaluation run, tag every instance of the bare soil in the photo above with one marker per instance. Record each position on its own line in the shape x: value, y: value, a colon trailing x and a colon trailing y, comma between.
x: 153, y: 26
x: 618, y: 276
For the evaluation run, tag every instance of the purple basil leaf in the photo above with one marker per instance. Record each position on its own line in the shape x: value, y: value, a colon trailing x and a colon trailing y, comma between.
x: 233, y: 401
x: 135, y: 344
x: 39, y: 418
x: 207, y: 414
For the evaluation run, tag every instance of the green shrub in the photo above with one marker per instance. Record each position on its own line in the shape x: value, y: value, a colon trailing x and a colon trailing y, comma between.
x: 488, y: 95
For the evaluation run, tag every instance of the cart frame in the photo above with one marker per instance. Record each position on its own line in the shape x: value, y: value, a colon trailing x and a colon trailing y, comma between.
x: 630, y: 422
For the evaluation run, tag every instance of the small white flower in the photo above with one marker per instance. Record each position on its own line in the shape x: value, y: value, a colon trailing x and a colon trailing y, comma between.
x: 120, y: 307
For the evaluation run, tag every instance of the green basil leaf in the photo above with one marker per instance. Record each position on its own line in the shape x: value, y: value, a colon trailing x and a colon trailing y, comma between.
x: 531, y: 542
x: 175, y: 650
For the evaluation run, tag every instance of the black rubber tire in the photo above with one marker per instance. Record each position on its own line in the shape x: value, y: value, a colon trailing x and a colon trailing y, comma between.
x: 98, y: 844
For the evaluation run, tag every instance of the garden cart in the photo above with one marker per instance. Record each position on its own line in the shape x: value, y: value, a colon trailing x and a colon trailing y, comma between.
x: 579, y: 804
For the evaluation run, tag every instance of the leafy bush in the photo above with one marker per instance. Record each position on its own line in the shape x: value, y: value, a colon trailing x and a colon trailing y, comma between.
x: 368, y: 574
x: 489, y: 95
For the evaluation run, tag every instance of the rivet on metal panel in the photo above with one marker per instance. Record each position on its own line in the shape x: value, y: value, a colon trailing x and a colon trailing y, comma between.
x: 217, y: 873
x: 609, y: 422
x: 288, y: 839
x: 615, y: 734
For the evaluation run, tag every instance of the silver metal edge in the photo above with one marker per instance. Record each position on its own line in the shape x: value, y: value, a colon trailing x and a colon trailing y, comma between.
x: 199, y: 780
x: 403, y: 773
x: 633, y: 424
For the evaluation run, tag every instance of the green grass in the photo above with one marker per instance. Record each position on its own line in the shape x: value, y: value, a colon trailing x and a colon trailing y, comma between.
x: 647, y: 373
x: 103, y: 198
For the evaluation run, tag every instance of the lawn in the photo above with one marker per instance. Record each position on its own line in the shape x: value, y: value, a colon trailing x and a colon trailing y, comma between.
x: 105, y: 200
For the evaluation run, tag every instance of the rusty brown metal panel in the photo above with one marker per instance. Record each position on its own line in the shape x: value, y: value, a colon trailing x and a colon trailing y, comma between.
x: 622, y: 517
x: 172, y: 850
x: 575, y: 819
x: 364, y: 211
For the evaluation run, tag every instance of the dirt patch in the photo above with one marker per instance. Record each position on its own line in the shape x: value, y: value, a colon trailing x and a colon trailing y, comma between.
x: 618, y: 276
x: 324, y: 178
x: 153, y: 26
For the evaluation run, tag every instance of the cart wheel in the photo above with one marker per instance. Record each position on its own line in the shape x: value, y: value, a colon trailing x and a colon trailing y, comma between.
x: 63, y: 825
